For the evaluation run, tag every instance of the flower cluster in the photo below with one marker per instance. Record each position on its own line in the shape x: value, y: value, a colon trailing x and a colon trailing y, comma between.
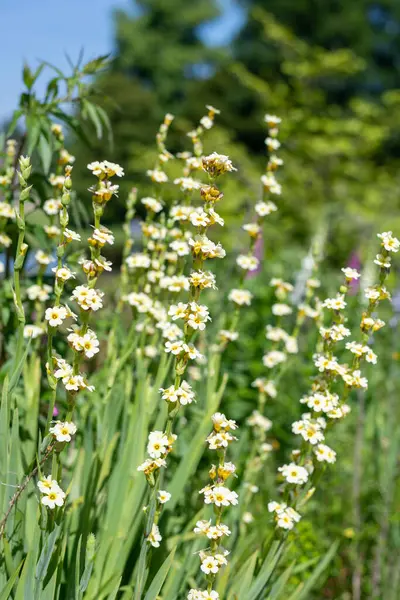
x: 324, y: 403
x: 249, y: 263
x: 219, y: 496
x: 52, y: 494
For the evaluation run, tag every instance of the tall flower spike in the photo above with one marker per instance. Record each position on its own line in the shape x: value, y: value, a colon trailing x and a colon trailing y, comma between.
x: 325, y: 405
x: 249, y: 263
x: 218, y: 495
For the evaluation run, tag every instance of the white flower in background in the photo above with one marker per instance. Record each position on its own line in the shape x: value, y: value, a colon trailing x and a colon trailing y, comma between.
x: 32, y: 331
x: 271, y: 185
x: 152, y: 204
x: 52, y: 207
x: 258, y: 420
x: 180, y: 247
x: 351, y: 273
x: 154, y: 536
x: 247, y: 262
x: 281, y: 310
x: 337, y: 303
x: 63, y: 430
x: 273, y: 358
x: 240, y: 297
x: 187, y: 184
x: 163, y: 496
x: 265, y: 386
x: 272, y: 120
x: 263, y: 209
x: 324, y: 453
x: 5, y: 240
x: 63, y: 273
x: 389, y: 242
x: 157, y: 175
x: 272, y: 144
x: 43, y: 258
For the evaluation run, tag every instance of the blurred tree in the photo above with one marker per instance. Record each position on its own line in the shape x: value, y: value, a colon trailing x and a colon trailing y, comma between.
x: 160, y: 45
x: 370, y: 29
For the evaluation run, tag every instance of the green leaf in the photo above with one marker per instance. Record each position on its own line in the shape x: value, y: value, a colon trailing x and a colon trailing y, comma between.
x: 266, y: 570
x: 33, y: 126
x: 96, y: 64
x: 244, y: 577
x: 17, y: 114
x: 158, y: 581
x: 45, y: 152
x: 5, y: 593
x: 302, y: 592
x: 28, y: 77
x: 91, y: 110
x: 44, y: 558
x: 279, y: 585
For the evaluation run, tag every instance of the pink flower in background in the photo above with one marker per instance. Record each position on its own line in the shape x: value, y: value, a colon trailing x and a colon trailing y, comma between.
x: 55, y: 411
x: 354, y: 263
x: 258, y: 253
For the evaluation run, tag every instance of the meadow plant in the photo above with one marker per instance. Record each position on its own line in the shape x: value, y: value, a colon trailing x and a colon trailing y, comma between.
x: 111, y: 377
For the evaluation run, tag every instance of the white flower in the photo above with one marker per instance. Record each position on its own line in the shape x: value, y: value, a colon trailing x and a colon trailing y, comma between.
x: 32, y: 331
x: 273, y: 358
x: 43, y: 258
x: 163, y: 496
x: 258, y: 420
x: 272, y: 120
x: 152, y: 204
x: 294, y: 473
x: 105, y: 169
x: 389, y: 242
x: 272, y: 143
x: 154, y: 536
x: 53, y: 497
x: 187, y: 184
x: 52, y: 207
x: 157, y: 444
x: 265, y: 386
x: 103, y: 236
x: 324, y: 453
x: 180, y: 247
x: 240, y: 297
x: 337, y: 303
x: 199, y: 219
x: 157, y: 175
x: 265, y: 208
x: 71, y: 235
x: 351, y: 273
x: 281, y: 310
x: 209, y: 565
x: 63, y: 273
x: 271, y: 185
x: 247, y: 262
x: 216, y: 164
x: 220, y: 496
x: 56, y: 315
x: 63, y: 431
x: 45, y: 484
x: 174, y: 347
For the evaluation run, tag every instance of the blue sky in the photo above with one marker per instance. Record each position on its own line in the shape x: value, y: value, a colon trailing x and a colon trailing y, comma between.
x: 31, y: 30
